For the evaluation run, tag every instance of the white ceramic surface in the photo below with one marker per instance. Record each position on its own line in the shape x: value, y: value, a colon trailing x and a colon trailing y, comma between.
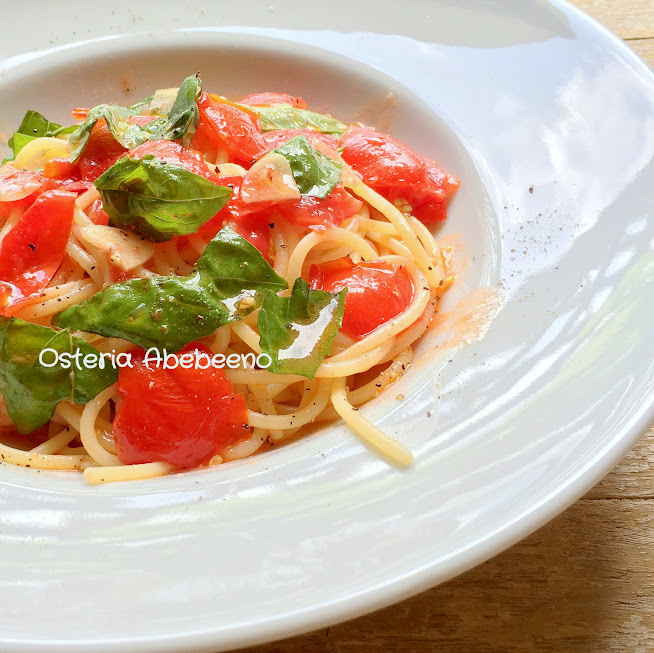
x: 549, y: 121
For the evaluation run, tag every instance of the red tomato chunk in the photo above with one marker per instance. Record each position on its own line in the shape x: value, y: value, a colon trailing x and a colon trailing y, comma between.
x: 224, y: 125
x: 377, y: 291
x: 34, y: 248
x: 180, y: 416
x: 315, y: 213
x: 395, y: 171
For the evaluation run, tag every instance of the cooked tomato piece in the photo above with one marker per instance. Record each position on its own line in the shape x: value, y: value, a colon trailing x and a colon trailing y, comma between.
x: 210, y: 228
x: 269, y: 98
x: 278, y: 137
x: 222, y: 124
x: 180, y: 416
x: 78, y: 187
x: 176, y: 154
x: 19, y: 188
x: 255, y: 228
x: 398, y: 173
x: 101, y: 152
x: 234, y: 210
x: 32, y: 251
x: 205, y: 140
x: 117, y: 274
x: 17, y: 184
x: 248, y: 220
x: 315, y: 213
x: 96, y: 213
x: 376, y: 292
x: 62, y: 170
x: 80, y: 113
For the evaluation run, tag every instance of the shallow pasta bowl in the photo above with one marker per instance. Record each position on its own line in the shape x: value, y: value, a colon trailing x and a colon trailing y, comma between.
x: 522, y: 101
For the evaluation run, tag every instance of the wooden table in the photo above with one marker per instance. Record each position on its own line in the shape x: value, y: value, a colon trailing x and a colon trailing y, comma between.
x: 583, y: 583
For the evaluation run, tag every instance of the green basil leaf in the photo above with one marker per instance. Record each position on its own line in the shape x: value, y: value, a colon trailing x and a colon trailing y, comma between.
x: 166, y: 312
x: 284, y: 116
x: 137, y: 107
x: 35, y: 125
x: 234, y: 269
x: 158, y: 200
x: 32, y: 390
x: 182, y: 118
x: 228, y: 282
x: 17, y: 142
x: 315, y: 174
x: 297, y: 332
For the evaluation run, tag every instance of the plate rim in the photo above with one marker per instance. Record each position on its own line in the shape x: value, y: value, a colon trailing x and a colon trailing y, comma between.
x: 391, y: 591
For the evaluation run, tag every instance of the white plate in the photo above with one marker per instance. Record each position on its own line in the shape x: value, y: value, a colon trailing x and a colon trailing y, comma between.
x: 517, y: 94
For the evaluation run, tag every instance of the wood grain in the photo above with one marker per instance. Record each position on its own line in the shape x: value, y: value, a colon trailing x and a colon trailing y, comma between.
x: 629, y: 19
x: 582, y: 584
x: 568, y: 587
x: 644, y: 48
x: 633, y: 478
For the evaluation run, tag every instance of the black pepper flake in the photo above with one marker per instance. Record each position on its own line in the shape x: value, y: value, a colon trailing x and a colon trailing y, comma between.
x: 32, y: 246
x: 271, y: 225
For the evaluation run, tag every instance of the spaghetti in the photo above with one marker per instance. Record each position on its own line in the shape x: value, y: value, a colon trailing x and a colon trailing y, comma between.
x: 337, y: 215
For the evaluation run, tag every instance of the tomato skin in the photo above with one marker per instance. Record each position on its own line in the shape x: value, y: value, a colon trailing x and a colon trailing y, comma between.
x: 395, y: 171
x: 205, y: 140
x: 250, y: 220
x: 80, y: 113
x: 315, y: 213
x: 270, y: 98
x: 277, y: 138
x: 117, y: 274
x: 180, y: 416
x: 78, y: 187
x: 101, y: 152
x: 97, y: 214
x: 62, y: 170
x: 175, y: 154
x: 20, y: 179
x: 210, y: 228
x: 224, y: 124
x: 255, y: 228
x: 377, y: 291
x: 32, y: 251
